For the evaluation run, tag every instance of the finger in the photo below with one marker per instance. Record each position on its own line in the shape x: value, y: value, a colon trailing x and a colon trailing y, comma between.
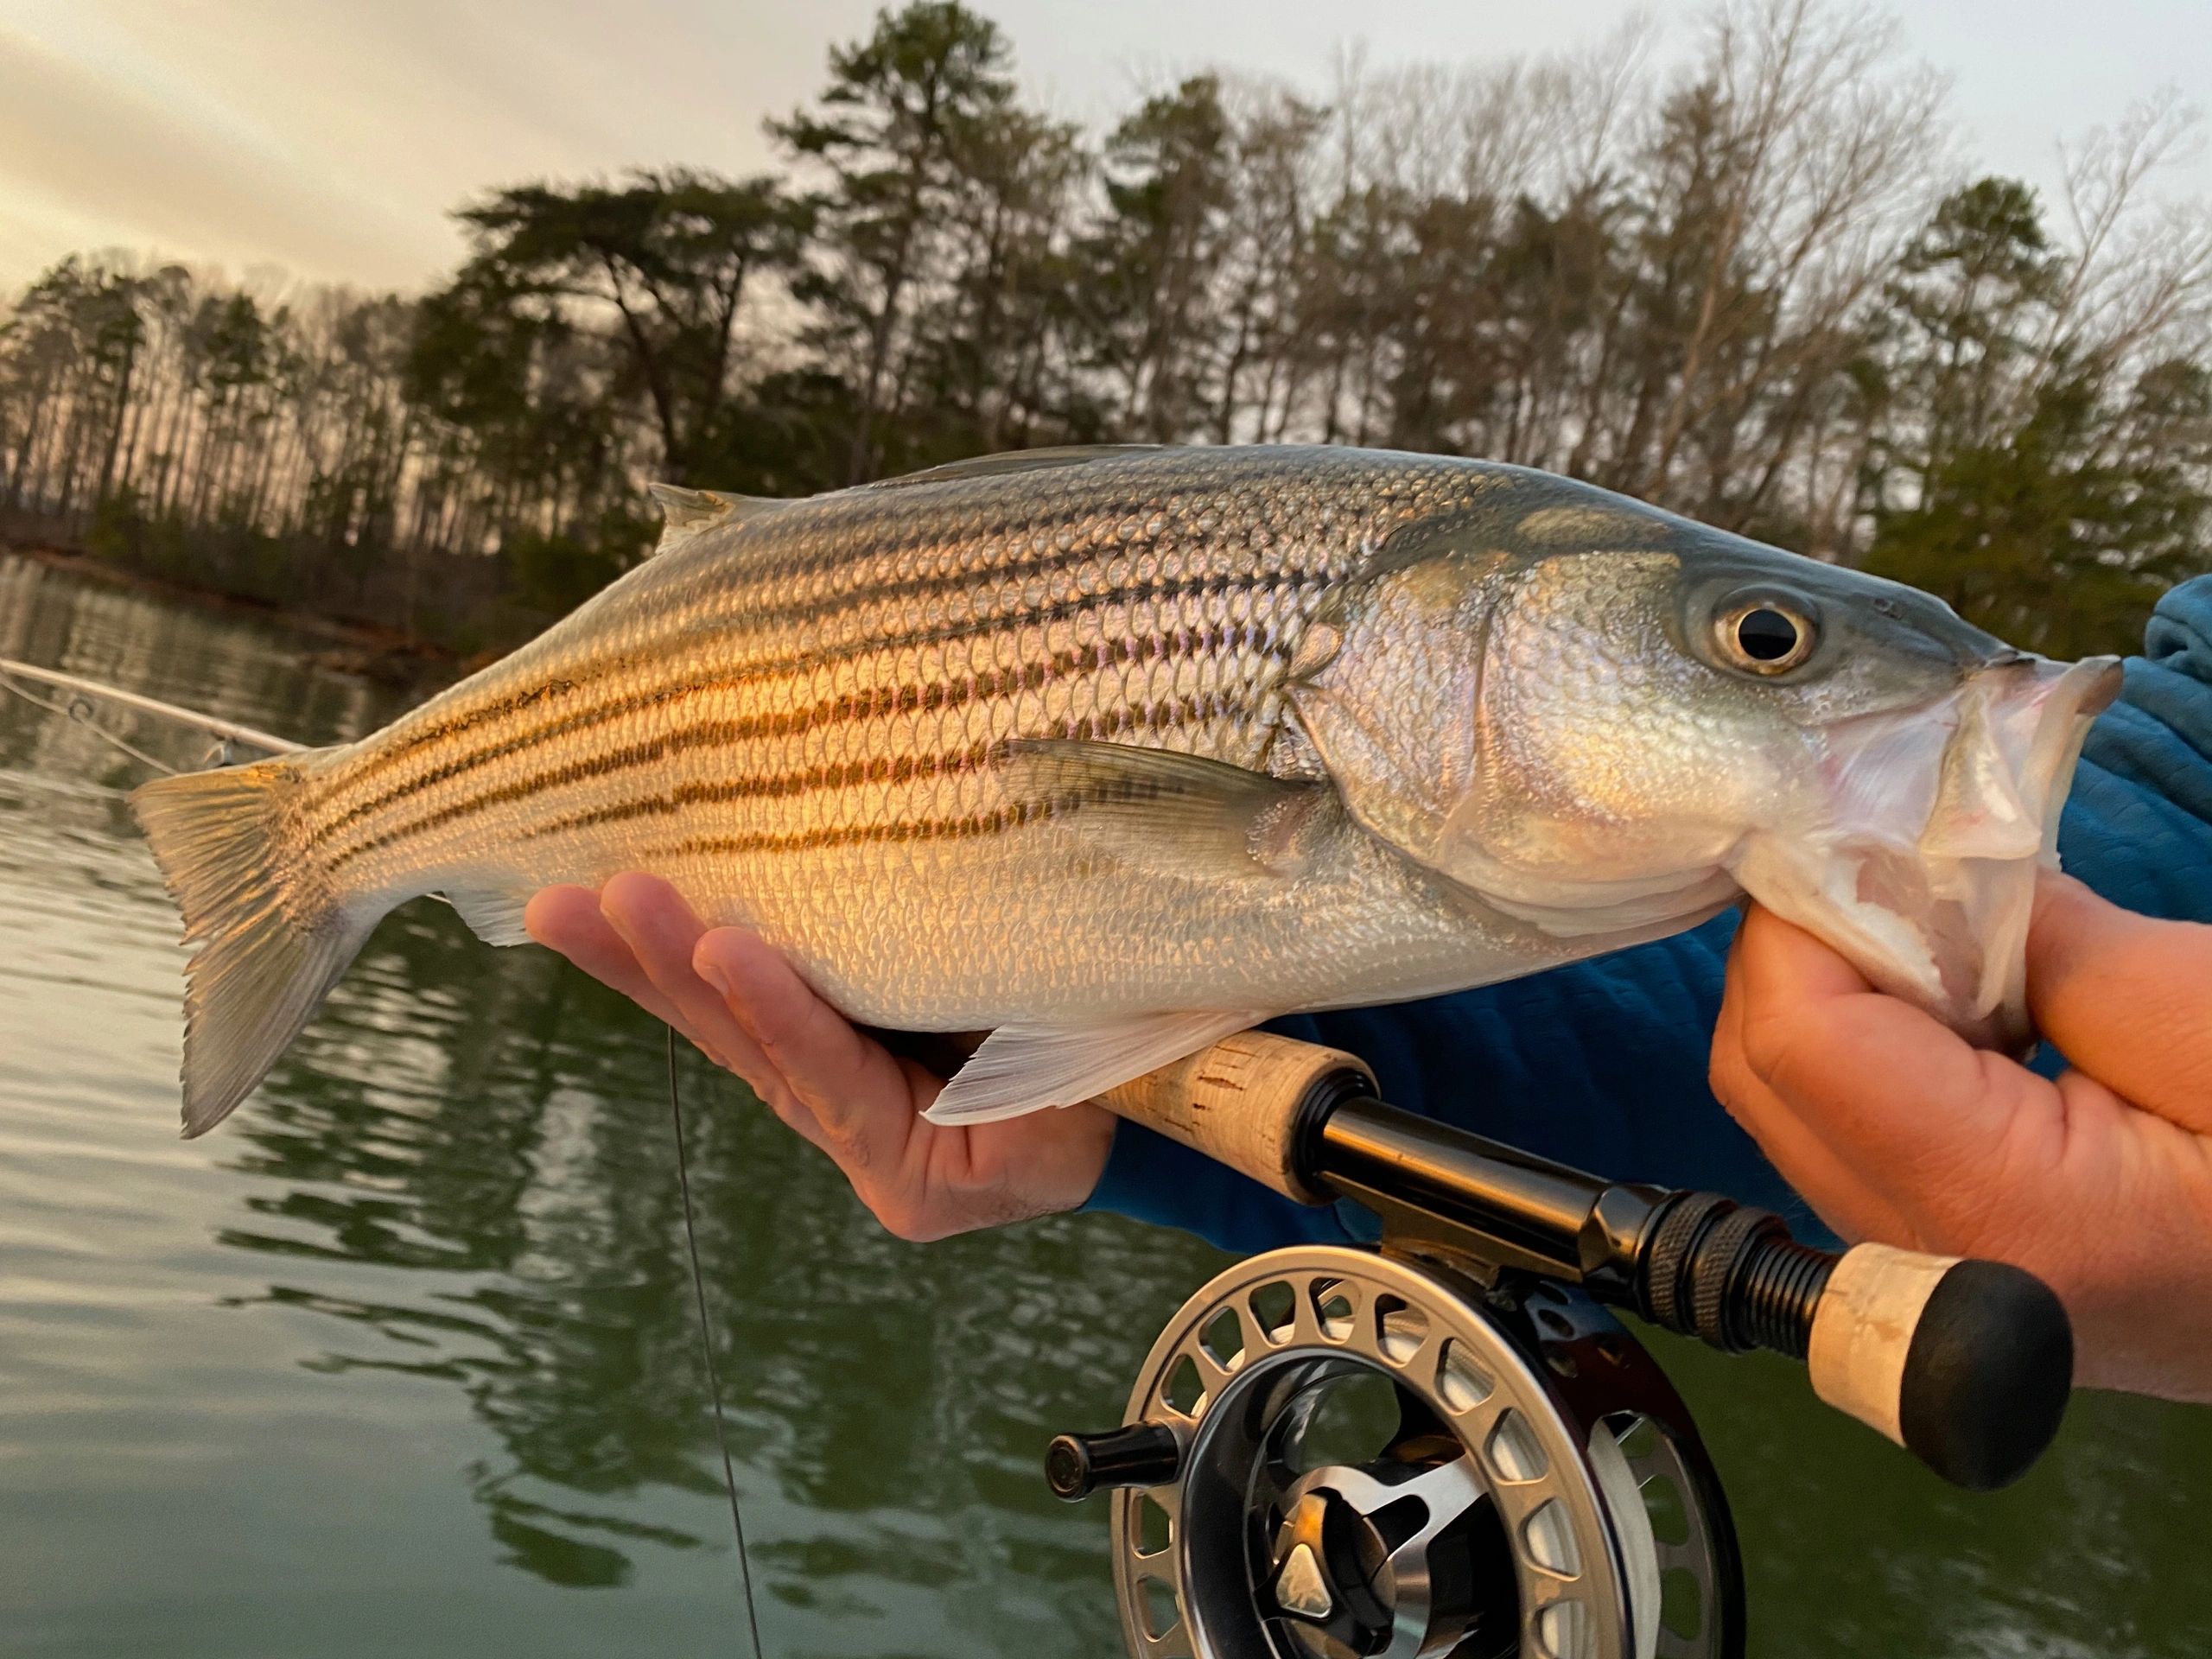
x: 1844, y: 1197
x: 865, y: 1099
x: 1890, y: 1091
x: 653, y: 919
x: 568, y: 920
x: 2126, y: 998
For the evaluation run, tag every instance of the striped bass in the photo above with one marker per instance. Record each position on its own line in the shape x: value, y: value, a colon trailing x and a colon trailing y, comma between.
x: 1114, y: 751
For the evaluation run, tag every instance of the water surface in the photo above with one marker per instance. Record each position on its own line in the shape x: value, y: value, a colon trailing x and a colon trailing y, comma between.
x: 402, y: 1358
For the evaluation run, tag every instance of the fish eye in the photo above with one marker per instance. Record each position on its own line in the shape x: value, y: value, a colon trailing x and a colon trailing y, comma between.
x: 1765, y: 635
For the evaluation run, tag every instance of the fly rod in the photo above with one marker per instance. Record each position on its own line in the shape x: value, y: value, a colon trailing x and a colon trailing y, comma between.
x: 81, y: 687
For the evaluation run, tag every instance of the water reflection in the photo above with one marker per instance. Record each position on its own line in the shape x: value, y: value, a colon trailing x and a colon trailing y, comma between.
x: 448, y: 1235
x: 508, y: 1143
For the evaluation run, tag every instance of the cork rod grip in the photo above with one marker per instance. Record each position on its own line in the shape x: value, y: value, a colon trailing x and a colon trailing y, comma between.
x: 1240, y: 1103
x: 1967, y: 1364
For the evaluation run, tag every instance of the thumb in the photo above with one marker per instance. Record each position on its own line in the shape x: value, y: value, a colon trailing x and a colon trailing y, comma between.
x: 2126, y: 998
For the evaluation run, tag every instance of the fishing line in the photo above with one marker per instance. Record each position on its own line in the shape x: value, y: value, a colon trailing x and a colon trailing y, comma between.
x: 80, y: 713
x: 707, y: 1348
x: 229, y: 731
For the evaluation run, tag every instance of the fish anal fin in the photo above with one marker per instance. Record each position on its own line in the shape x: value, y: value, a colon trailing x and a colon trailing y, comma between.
x: 493, y: 914
x: 1024, y: 1068
x: 1180, y: 814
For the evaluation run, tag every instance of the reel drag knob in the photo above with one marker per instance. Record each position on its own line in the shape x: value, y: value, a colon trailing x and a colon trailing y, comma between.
x: 1398, y: 1557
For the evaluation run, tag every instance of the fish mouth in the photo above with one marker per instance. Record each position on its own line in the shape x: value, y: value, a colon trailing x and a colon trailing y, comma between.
x: 1921, y: 868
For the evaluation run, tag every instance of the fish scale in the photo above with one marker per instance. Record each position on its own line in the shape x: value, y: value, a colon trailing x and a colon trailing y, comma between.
x: 774, y: 773
x: 1206, y: 656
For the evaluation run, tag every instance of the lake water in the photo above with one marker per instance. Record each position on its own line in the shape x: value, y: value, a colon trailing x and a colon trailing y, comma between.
x: 403, y: 1359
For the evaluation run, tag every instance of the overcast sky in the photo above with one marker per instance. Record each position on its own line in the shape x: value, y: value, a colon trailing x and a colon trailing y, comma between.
x: 331, y: 137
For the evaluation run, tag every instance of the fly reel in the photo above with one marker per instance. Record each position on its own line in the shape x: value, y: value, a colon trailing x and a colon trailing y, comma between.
x: 1370, y: 1457
x: 1447, y: 1446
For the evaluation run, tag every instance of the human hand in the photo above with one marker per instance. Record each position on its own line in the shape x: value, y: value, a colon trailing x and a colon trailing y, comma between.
x: 747, y: 1009
x: 2100, y: 1183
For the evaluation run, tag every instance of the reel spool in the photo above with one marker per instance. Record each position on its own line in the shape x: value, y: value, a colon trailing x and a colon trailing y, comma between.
x: 1357, y: 1455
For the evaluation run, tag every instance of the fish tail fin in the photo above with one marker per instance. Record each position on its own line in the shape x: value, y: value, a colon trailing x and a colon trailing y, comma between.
x: 274, y: 934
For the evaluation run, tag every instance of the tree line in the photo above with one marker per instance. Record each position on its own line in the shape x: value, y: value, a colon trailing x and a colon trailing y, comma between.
x: 1751, y: 284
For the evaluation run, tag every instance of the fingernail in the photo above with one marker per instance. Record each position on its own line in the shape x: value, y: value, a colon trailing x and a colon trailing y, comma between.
x: 713, y: 974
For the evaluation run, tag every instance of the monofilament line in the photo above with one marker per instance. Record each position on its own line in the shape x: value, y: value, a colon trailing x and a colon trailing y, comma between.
x: 229, y: 730
x: 706, y: 1346
x: 79, y: 713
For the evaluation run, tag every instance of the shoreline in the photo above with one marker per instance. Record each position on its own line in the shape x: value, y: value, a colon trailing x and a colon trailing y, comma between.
x: 358, y: 647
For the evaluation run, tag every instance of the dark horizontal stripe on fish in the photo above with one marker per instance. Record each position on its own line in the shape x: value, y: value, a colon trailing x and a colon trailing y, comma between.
x: 882, y: 702
x: 883, y: 769
x: 1084, y: 526
x: 1012, y: 815
x: 798, y: 612
x: 636, y: 701
x: 1149, y: 717
x: 788, y: 615
x: 375, y: 766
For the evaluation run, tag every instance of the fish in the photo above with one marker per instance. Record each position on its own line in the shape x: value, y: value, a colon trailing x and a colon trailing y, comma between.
x: 1112, y: 752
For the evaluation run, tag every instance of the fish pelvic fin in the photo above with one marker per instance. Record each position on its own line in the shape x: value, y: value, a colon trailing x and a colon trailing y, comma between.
x: 493, y: 913
x: 273, y: 934
x: 1024, y: 1068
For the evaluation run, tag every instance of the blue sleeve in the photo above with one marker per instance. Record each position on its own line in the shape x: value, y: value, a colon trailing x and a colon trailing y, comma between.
x: 1602, y: 1065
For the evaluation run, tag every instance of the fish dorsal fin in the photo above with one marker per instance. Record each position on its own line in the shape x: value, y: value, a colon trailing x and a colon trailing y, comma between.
x: 685, y: 513
x: 1019, y: 460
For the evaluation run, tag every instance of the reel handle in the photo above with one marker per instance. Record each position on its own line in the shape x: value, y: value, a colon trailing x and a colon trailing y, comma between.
x: 1968, y: 1365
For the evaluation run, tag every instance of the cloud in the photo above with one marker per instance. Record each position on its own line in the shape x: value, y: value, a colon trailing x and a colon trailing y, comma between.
x: 334, y: 137
x: 82, y: 149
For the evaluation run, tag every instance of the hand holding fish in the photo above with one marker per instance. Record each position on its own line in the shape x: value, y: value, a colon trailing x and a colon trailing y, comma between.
x: 747, y: 1009
x: 2100, y: 1183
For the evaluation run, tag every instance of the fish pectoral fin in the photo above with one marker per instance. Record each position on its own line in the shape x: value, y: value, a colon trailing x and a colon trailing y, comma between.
x: 1179, y: 814
x: 1022, y: 1068
x: 686, y: 513
x: 493, y: 914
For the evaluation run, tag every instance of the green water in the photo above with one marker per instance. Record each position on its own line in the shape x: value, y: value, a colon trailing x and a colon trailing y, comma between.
x: 403, y: 1359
